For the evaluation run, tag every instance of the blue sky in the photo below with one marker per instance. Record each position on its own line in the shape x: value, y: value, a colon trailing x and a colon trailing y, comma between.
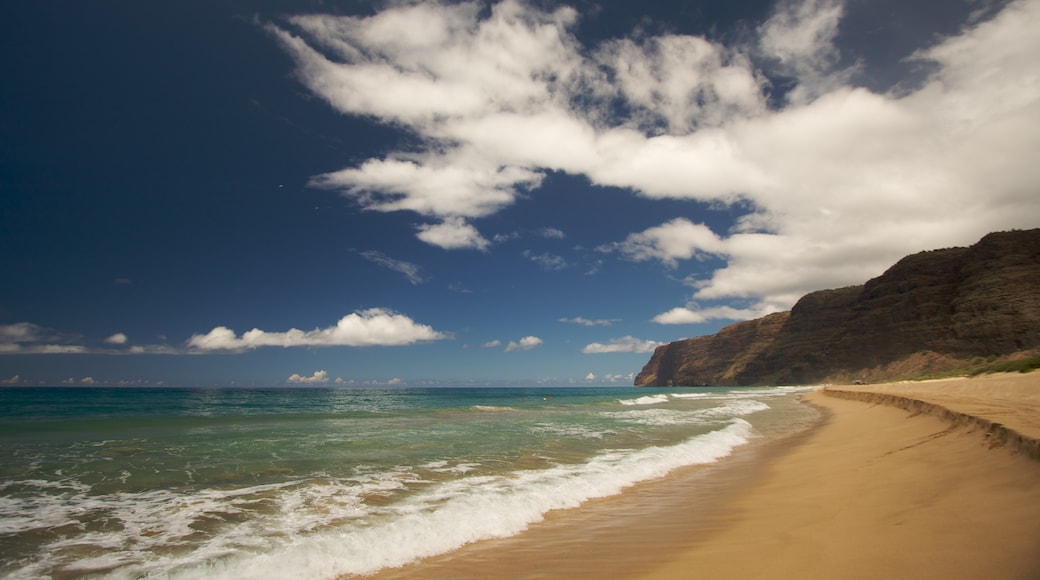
x: 281, y: 193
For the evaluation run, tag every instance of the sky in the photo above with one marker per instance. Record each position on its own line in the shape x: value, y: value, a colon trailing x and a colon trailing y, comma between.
x: 323, y: 192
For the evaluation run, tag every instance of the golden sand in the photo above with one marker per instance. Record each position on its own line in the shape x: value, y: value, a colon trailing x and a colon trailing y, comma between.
x: 875, y: 491
x: 878, y: 492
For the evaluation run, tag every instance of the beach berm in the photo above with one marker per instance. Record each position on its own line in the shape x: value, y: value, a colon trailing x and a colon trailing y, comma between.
x: 879, y: 491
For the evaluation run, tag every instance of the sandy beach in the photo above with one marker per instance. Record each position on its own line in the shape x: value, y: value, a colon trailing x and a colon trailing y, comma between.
x: 878, y: 492
x: 873, y: 491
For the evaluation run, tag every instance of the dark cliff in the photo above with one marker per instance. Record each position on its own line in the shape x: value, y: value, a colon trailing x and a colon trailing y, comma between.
x: 932, y: 309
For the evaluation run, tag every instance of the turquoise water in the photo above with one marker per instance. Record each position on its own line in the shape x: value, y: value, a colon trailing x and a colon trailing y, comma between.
x: 316, y: 483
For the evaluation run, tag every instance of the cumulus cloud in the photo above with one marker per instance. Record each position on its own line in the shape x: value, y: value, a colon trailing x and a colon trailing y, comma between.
x: 319, y: 377
x: 679, y: 239
x: 372, y: 327
x: 453, y: 234
x: 525, y: 343
x: 117, y: 338
x: 835, y: 182
x: 623, y: 344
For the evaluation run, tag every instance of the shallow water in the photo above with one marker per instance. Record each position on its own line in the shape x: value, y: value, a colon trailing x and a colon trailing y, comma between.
x: 315, y: 483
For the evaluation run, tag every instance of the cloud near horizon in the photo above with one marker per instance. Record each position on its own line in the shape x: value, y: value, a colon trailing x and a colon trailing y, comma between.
x: 623, y: 344
x: 372, y: 327
x: 835, y: 181
x: 29, y: 338
x: 318, y: 378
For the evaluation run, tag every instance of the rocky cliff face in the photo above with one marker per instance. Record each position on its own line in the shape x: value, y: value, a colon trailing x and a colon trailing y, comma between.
x: 936, y: 308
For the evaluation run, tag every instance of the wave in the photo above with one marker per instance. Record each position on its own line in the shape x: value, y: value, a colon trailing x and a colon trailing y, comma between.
x: 647, y: 400
x: 323, y: 528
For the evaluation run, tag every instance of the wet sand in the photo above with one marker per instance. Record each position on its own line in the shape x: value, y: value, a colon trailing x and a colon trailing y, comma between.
x: 873, y: 491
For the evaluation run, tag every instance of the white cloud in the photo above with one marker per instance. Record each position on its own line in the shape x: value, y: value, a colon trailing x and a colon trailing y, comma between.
x: 319, y: 377
x: 800, y: 35
x: 840, y: 181
x: 453, y: 185
x: 492, y: 344
x: 623, y: 344
x: 679, y: 239
x: 525, y: 343
x: 410, y: 271
x: 372, y: 327
x: 117, y: 338
x: 683, y: 82
x: 693, y: 315
x: 453, y: 234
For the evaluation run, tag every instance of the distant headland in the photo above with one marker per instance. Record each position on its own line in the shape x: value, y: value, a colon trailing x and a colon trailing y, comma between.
x: 932, y: 313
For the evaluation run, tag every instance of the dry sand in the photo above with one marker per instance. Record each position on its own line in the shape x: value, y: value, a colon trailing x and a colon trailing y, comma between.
x: 878, y: 492
x: 875, y: 491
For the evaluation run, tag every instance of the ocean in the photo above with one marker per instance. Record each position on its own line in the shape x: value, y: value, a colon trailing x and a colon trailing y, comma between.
x: 322, y: 483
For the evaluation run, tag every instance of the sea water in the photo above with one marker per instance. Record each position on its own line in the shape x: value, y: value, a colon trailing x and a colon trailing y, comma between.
x: 320, y: 483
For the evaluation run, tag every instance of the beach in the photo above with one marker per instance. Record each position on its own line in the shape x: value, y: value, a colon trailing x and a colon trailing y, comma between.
x: 872, y: 491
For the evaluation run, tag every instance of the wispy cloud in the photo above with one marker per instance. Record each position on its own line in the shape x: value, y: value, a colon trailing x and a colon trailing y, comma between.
x: 836, y: 181
x: 372, y: 327
x: 29, y: 338
x: 410, y: 271
x: 546, y: 260
x: 589, y: 322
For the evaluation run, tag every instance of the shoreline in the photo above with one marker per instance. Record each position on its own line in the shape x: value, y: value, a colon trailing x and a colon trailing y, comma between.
x: 870, y: 490
x: 622, y: 536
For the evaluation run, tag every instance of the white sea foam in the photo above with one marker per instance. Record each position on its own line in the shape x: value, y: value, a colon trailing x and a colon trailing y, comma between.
x: 305, y: 536
x: 581, y: 431
x: 647, y: 400
x: 492, y: 409
x: 662, y: 417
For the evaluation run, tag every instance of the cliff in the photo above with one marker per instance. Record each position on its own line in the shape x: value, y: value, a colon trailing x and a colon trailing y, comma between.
x: 932, y: 310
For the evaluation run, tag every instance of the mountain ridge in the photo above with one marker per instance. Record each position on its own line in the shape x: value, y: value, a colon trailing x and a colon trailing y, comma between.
x: 933, y: 311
